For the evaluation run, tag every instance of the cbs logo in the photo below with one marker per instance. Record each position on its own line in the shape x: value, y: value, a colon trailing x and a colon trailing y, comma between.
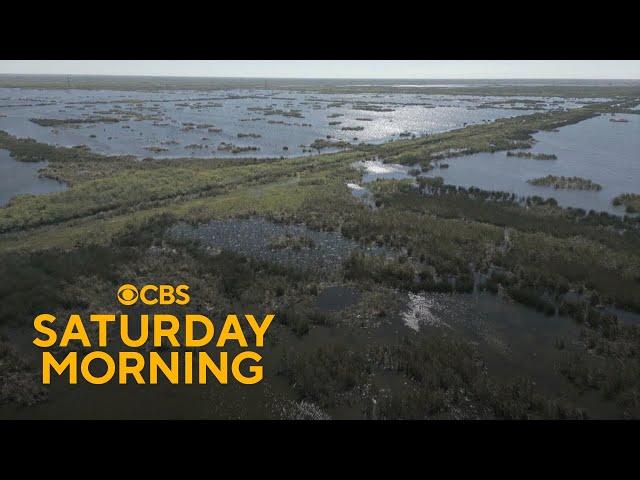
x: 153, y: 294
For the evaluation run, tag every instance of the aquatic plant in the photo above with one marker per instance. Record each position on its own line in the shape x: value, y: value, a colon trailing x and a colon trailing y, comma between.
x: 629, y: 200
x: 535, y: 156
x: 562, y: 182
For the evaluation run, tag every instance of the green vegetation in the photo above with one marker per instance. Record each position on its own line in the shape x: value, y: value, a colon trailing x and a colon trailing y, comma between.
x: 568, y: 183
x: 275, y: 111
x: 18, y: 382
x: 544, y: 245
x: 153, y: 149
x: 249, y: 135
x: 535, y: 156
x: 55, y: 122
x: 629, y: 200
x: 296, y: 242
x: 230, y: 147
x: 321, y: 143
x: 448, y: 376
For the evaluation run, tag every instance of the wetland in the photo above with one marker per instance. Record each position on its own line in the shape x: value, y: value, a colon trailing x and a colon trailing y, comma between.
x: 415, y: 272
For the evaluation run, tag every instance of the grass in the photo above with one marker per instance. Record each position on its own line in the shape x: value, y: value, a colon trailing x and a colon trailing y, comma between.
x: 137, y: 185
x: 260, y: 199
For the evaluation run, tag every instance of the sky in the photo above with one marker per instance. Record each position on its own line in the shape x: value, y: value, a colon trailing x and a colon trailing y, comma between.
x: 417, y: 69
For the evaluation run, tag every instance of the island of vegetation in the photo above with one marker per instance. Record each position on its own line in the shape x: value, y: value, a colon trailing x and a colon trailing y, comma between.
x: 629, y: 200
x: 63, y: 122
x: 322, y: 143
x: 230, y: 147
x: 249, y: 135
x: 154, y: 149
x: 535, y: 156
x: 565, y: 183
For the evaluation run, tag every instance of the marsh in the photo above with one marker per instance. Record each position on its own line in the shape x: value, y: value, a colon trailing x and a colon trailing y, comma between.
x: 162, y: 123
x: 605, y: 153
x: 399, y: 289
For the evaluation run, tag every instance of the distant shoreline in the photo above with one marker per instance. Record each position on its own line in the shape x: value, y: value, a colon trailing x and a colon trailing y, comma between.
x: 496, y: 87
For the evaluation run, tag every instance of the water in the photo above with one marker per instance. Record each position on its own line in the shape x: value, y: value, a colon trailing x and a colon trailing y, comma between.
x: 17, y: 178
x: 161, y: 119
x: 605, y: 152
x: 257, y: 238
x: 336, y: 298
x: 373, y: 170
x: 515, y: 341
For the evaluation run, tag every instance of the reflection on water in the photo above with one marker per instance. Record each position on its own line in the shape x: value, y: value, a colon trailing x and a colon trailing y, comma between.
x: 373, y: 170
x: 605, y: 152
x: 17, y: 178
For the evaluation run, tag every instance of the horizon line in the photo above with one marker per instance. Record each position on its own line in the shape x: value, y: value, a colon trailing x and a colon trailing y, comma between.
x: 151, y: 75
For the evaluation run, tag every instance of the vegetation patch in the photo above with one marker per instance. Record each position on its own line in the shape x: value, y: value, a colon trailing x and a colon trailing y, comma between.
x: 535, y: 156
x: 321, y: 144
x: 629, y: 200
x: 62, y: 122
x: 230, y: 147
x: 565, y: 183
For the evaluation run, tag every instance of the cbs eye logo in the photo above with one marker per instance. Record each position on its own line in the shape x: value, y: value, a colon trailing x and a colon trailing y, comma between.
x: 128, y: 294
x: 153, y: 294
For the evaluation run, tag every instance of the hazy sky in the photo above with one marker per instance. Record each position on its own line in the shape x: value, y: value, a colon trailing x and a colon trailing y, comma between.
x: 611, y: 69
